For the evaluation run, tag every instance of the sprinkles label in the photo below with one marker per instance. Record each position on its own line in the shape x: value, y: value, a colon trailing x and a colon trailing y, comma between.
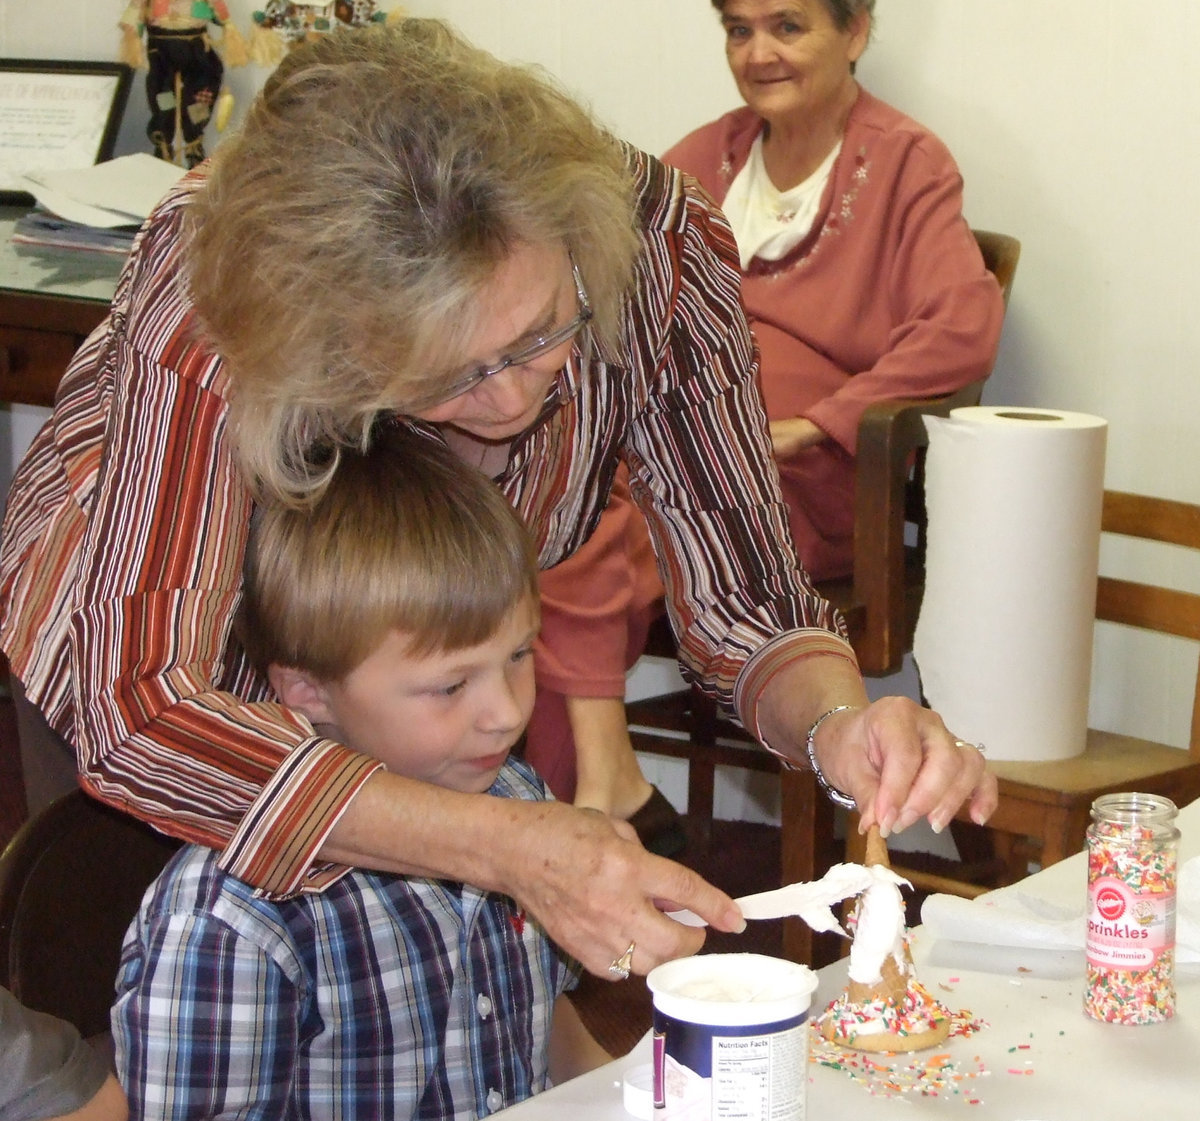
x: 1132, y: 845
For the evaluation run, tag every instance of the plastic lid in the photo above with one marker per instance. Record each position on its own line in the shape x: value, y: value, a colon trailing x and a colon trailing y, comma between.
x: 639, y: 1092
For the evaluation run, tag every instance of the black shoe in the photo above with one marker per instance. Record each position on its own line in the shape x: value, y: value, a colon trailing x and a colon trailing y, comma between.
x: 659, y: 825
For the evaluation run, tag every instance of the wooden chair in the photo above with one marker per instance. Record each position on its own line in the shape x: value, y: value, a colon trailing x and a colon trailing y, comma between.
x: 70, y: 882
x: 879, y: 602
x: 882, y: 598
x: 1044, y: 806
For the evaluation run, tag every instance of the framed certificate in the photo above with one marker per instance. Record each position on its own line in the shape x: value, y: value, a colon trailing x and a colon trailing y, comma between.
x: 58, y: 115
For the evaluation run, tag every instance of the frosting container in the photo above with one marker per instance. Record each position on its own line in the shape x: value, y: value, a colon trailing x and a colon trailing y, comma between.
x: 731, y: 1038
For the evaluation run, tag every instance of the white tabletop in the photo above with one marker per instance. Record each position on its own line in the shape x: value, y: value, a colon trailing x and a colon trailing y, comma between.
x: 1044, y: 1059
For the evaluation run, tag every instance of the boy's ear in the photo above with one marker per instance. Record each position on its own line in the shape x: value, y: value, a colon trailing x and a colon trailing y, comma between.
x: 299, y: 690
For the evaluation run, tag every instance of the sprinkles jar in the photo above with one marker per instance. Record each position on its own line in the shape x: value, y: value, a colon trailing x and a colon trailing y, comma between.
x: 1132, y: 847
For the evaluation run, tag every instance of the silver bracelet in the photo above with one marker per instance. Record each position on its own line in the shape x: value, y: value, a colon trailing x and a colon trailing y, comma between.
x: 836, y: 796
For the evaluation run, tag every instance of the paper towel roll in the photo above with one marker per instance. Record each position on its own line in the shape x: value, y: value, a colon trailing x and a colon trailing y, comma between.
x: 1004, y: 638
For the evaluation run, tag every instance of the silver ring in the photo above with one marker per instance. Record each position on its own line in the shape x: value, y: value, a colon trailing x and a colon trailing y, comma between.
x: 977, y: 746
x: 623, y: 966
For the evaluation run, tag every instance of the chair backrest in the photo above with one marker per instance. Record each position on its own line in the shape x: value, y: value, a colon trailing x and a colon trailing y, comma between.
x: 1168, y: 610
x: 889, y: 557
x: 1001, y: 252
x: 70, y: 882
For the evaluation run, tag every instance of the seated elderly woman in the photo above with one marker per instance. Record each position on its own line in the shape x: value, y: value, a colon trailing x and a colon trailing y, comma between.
x: 862, y: 282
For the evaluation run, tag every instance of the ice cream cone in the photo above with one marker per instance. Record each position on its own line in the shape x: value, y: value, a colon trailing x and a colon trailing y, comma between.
x: 893, y: 1013
x: 877, y: 852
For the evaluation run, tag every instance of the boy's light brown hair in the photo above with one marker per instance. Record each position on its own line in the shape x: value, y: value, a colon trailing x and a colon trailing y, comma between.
x: 406, y: 537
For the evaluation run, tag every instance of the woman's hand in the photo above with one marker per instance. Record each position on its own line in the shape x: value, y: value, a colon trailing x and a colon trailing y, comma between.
x: 793, y: 435
x: 897, y: 760
x: 589, y: 882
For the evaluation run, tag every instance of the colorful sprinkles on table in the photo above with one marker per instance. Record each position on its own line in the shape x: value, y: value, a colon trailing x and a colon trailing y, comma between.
x: 936, y: 1076
x: 894, y: 1076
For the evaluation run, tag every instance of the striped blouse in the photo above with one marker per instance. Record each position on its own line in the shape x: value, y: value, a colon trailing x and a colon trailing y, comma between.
x: 383, y: 997
x: 120, y: 567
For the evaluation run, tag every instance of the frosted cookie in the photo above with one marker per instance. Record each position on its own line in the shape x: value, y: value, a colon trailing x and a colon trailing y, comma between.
x: 896, y: 1014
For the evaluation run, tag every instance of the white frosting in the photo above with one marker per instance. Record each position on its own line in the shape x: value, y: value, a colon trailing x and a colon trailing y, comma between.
x: 814, y: 902
x: 727, y: 992
x: 876, y: 1025
x: 880, y: 929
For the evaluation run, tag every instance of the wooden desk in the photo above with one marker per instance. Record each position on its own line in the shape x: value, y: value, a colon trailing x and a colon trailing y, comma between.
x: 50, y: 300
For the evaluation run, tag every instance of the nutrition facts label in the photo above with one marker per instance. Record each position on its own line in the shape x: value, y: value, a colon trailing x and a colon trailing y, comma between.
x: 759, y: 1078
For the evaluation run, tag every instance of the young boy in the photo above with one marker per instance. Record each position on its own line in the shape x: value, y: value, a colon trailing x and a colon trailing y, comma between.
x: 396, y: 615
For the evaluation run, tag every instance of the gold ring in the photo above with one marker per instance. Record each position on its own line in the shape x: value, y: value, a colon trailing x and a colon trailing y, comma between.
x: 623, y: 966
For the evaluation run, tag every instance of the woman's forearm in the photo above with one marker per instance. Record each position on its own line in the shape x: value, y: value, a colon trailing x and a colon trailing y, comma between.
x: 579, y: 873
x: 401, y: 825
x: 801, y: 692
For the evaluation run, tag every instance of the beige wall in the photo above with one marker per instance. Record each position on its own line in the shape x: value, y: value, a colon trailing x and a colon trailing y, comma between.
x: 1077, y: 126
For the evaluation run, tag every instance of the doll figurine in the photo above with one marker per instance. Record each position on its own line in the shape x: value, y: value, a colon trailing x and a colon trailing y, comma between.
x: 184, y: 71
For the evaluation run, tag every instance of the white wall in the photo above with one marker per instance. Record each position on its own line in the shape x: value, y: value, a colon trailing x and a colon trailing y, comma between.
x: 1077, y: 126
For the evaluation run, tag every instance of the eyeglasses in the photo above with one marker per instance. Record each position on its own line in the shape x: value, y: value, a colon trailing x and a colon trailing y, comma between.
x: 538, y: 346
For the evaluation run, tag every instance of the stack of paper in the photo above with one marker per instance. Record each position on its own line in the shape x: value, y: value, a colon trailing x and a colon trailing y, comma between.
x: 97, y: 207
x: 119, y: 192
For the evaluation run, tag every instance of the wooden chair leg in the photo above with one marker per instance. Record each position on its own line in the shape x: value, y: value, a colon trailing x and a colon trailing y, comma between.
x: 808, y: 848
x: 1059, y: 841
x: 1013, y: 856
x: 701, y: 797
x: 702, y: 769
x: 797, y: 805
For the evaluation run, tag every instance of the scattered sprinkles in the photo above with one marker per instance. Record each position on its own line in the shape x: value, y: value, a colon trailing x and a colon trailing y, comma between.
x: 1027, y: 1067
x: 891, y: 1076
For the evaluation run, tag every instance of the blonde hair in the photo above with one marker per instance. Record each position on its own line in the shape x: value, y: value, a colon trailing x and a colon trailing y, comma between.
x: 339, y: 249
x: 405, y: 536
